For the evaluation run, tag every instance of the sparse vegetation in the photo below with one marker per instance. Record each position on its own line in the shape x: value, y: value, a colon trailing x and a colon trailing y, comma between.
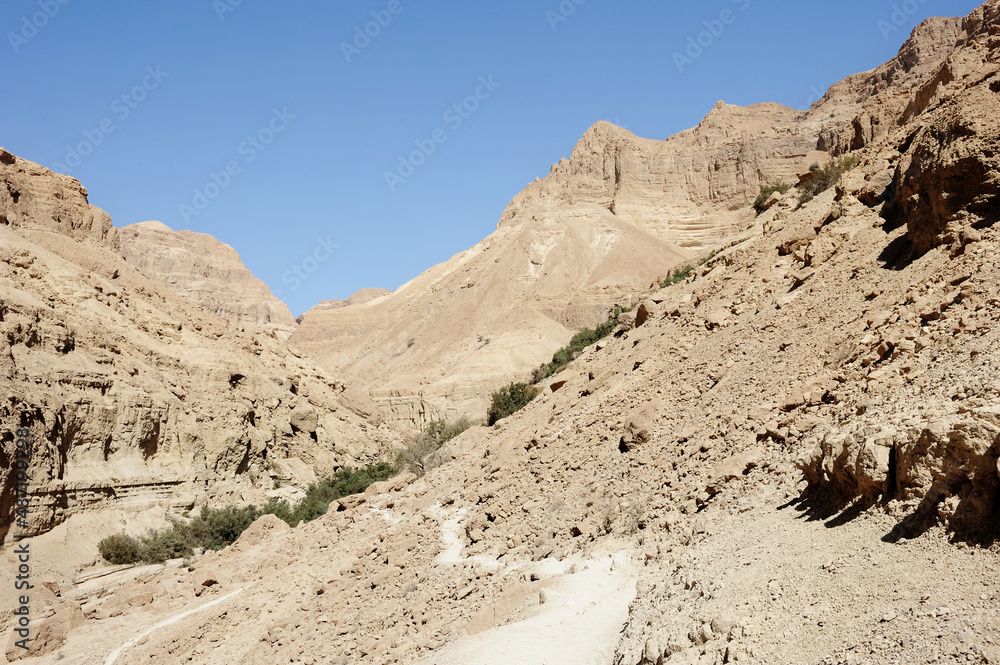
x: 578, y: 343
x: 824, y: 178
x: 120, y: 549
x: 510, y: 399
x: 418, y: 456
x: 215, y: 528
x: 678, y: 276
x: 765, y: 194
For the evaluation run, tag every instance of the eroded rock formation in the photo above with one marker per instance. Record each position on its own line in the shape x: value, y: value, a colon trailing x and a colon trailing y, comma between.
x: 132, y: 393
x: 205, y: 271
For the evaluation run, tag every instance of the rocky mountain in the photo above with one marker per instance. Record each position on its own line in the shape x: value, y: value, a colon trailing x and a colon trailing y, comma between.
x: 621, y: 212
x: 357, y: 298
x: 205, y: 271
x: 793, y: 456
x: 790, y: 457
x: 134, y: 394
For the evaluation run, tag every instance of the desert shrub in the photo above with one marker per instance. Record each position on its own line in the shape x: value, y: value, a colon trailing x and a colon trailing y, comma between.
x: 344, y: 482
x: 173, y: 543
x: 765, y: 194
x: 678, y: 276
x: 508, y: 400
x: 222, y: 526
x: 280, y: 509
x: 577, y: 344
x: 120, y: 549
x: 215, y: 528
x: 824, y: 178
x: 417, y: 457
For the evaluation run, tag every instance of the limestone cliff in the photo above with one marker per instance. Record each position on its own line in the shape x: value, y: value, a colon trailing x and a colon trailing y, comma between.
x: 618, y: 213
x: 133, y: 394
x: 205, y: 271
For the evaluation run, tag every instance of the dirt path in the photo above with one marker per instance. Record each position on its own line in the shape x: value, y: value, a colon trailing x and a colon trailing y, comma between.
x: 113, y: 656
x: 581, y: 613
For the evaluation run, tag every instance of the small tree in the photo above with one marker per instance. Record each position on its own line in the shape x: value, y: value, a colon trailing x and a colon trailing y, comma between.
x: 120, y: 549
x: 765, y: 194
x: 509, y: 399
x: 417, y: 457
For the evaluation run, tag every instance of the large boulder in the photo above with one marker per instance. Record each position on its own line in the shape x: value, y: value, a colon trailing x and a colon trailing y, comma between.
x: 949, y: 179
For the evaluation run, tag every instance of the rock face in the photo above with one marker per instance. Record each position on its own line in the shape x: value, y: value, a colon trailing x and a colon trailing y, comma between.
x: 619, y: 213
x: 33, y: 196
x: 133, y: 394
x: 691, y: 190
x: 439, y: 345
x: 358, y: 298
x: 652, y: 509
x: 867, y: 106
x: 205, y: 271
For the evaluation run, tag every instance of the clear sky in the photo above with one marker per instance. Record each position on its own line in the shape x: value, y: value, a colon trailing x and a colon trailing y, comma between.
x: 273, y: 125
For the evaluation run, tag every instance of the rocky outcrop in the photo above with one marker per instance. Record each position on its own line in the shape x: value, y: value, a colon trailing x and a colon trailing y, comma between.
x: 205, y: 271
x: 132, y: 394
x: 651, y: 509
x: 439, y: 345
x: 618, y: 213
x: 357, y: 298
x: 945, y: 468
x: 691, y: 190
x: 33, y: 196
x: 865, y: 107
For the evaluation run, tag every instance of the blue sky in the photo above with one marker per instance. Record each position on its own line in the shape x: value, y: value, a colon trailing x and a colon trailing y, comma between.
x: 252, y: 120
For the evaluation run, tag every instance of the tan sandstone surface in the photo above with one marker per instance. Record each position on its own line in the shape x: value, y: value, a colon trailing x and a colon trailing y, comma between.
x: 789, y: 458
x: 133, y: 394
x: 621, y: 212
x: 205, y: 271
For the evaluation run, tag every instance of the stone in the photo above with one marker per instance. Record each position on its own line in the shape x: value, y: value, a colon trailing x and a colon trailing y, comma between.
x: 205, y: 271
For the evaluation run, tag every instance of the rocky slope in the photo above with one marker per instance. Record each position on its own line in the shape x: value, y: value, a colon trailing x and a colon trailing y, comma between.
x: 791, y: 457
x: 619, y: 213
x: 489, y: 314
x: 205, y: 271
x: 132, y: 393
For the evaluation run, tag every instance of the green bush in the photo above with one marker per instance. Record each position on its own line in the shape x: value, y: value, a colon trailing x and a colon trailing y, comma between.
x: 223, y: 526
x: 510, y: 399
x: 120, y: 549
x: 215, y: 528
x: 824, y: 178
x: 173, y: 543
x: 678, y: 276
x: 765, y: 194
x: 320, y: 495
x: 415, y: 457
x: 578, y: 343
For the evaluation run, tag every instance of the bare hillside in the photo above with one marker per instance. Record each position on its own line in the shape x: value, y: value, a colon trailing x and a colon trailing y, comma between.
x: 791, y: 457
x: 616, y: 215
